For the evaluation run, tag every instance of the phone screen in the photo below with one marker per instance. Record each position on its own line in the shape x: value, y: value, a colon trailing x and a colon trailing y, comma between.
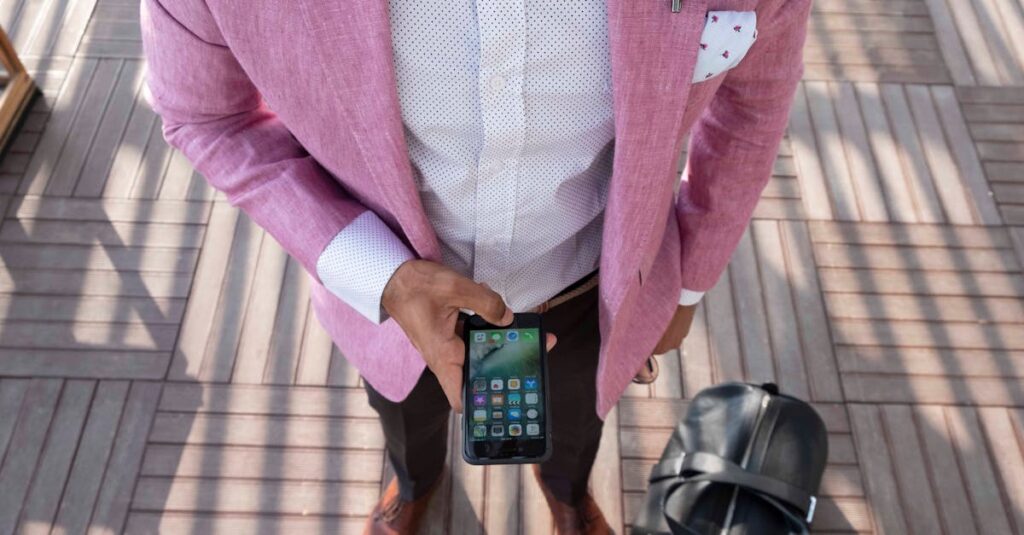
x: 505, y: 393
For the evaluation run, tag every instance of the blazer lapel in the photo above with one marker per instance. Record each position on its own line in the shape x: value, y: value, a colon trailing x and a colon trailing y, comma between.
x: 353, y: 41
x: 653, y: 55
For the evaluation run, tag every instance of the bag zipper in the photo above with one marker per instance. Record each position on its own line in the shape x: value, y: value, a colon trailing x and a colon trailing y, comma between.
x: 765, y: 402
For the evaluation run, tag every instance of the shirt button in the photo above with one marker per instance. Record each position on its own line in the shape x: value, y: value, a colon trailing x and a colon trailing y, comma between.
x: 497, y: 83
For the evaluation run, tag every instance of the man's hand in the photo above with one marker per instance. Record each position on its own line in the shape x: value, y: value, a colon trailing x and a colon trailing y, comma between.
x: 424, y: 298
x: 677, y: 329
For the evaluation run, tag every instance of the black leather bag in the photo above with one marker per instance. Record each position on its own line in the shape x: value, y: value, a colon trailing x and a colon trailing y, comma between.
x: 745, y: 460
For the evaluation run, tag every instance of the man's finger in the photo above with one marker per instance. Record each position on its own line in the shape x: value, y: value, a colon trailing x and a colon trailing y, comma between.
x: 482, y: 300
x: 551, y: 341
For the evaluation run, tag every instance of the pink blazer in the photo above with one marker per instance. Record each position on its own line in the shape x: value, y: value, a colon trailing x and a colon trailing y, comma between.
x: 291, y: 109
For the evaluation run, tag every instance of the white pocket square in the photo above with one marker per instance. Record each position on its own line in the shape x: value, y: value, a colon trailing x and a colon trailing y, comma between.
x: 727, y: 37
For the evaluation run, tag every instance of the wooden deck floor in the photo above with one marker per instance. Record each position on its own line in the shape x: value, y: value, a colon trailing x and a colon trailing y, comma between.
x: 161, y: 370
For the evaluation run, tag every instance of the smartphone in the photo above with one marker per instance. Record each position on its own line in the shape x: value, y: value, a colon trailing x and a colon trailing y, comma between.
x: 505, y: 402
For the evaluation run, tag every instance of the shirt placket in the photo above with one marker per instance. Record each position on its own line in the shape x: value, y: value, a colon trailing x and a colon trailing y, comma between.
x: 502, y: 30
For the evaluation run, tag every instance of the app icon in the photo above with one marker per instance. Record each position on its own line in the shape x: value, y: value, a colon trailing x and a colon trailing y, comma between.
x: 529, y: 335
x: 515, y: 430
x: 512, y: 336
x: 497, y: 414
x: 497, y: 384
x: 480, y: 415
x: 531, y: 398
x: 531, y: 383
x: 480, y: 337
x: 515, y: 414
x: 514, y: 399
x: 479, y: 400
x: 531, y: 414
x: 497, y: 430
x: 533, y: 429
x: 496, y: 337
x: 513, y: 383
x: 479, y: 384
x: 480, y: 431
x: 497, y: 399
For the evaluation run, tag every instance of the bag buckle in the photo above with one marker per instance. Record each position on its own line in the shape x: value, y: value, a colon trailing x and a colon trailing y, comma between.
x: 810, y: 509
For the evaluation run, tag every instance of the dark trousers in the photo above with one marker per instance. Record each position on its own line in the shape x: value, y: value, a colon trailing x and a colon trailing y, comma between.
x: 415, y: 429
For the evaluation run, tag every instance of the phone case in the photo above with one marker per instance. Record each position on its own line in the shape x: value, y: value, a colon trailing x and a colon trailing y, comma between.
x: 466, y: 455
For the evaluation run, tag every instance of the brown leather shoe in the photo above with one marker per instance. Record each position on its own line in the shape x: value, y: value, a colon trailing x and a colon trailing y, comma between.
x: 584, y: 518
x: 394, y: 516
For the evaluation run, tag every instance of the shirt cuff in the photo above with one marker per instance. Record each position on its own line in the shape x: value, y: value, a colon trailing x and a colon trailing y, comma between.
x: 690, y: 297
x: 359, y: 262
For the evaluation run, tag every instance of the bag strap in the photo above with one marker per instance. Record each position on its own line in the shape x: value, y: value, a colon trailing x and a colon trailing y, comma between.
x: 713, y: 468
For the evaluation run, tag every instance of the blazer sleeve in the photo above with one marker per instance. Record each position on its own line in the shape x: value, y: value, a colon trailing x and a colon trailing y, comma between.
x: 213, y: 113
x: 735, y: 142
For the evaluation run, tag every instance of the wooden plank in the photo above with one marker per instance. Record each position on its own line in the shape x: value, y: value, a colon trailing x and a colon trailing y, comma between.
x: 1012, y: 19
x: 111, y: 210
x: 924, y: 308
x: 258, y: 322
x: 12, y: 393
x: 108, y: 137
x: 975, y: 44
x: 267, y: 400
x: 467, y: 490
x: 501, y: 502
x: 918, y: 258
x: 877, y: 468
x: 930, y: 389
x: 931, y: 361
x: 811, y: 319
x: 837, y: 172
x: 40, y: 507
x: 90, y: 336
x: 286, y: 344
x: 178, y: 177
x: 102, y: 232
x: 246, y: 496
x: 993, y: 25
x: 94, y: 257
x: 315, y: 360
x: 84, y: 363
x: 974, y: 459
x: 922, y: 334
x: 989, y: 95
x: 178, y: 522
x: 909, y: 469
x: 950, y: 44
x: 944, y: 171
x: 115, y: 493
x: 921, y: 282
x: 90, y: 462
x: 697, y: 361
x: 945, y: 236
x: 298, y: 464
x: 862, y: 171
x: 64, y: 282
x: 915, y: 169
x: 69, y: 102
x: 780, y: 314
x: 66, y: 41
x: 750, y: 313
x: 341, y: 373
x: 150, y: 175
x: 26, y: 443
x: 1008, y: 458
x: 226, y: 325
x: 536, y: 516
x: 727, y: 360
x: 607, y: 474
x: 251, y: 430
x: 817, y: 203
x: 210, y: 273
x: 66, y: 170
x: 130, y: 151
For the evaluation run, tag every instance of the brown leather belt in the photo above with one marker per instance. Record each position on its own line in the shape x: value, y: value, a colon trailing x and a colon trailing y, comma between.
x: 581, y: 287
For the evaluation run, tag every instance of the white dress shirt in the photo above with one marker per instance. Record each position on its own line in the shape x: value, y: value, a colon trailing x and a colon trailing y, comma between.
x: 507, y: 108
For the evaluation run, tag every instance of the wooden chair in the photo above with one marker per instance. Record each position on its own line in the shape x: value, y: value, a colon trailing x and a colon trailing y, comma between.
x: 18, y: 89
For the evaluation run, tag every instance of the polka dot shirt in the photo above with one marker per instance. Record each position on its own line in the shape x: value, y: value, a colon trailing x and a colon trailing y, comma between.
x: 507, y: 113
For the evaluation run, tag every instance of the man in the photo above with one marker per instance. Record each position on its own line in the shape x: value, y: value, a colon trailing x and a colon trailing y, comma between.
x: 422, y: 158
